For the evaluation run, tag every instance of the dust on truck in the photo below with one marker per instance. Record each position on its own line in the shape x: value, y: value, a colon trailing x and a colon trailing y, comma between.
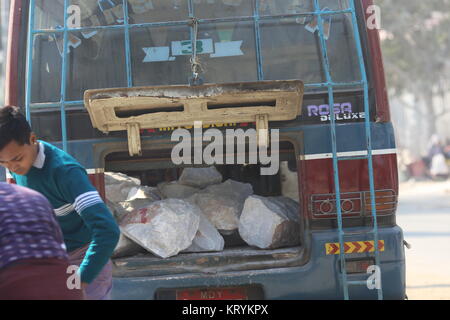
x: 110, y: 81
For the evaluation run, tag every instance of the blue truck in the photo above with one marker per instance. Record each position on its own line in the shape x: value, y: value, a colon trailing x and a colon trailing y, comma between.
x: 337, y: 154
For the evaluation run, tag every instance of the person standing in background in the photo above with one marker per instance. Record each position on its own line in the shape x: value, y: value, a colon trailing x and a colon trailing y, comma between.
x: 438, y: 166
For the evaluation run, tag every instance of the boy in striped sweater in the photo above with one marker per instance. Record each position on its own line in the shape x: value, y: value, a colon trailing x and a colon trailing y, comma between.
x: 89, y: 229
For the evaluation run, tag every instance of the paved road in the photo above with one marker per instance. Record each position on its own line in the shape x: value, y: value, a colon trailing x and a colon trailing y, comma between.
x: 424, y: 215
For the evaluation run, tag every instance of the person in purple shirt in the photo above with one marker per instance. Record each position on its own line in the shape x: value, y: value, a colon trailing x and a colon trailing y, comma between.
x: 33, y: 260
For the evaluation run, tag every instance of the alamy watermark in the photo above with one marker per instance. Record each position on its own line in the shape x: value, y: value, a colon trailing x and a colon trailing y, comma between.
x: 374, y: 17
x: 74, y: 280
x: 374, y: 280
x: 373, y: 20
x: 213, y: 153
x: 74, y: 16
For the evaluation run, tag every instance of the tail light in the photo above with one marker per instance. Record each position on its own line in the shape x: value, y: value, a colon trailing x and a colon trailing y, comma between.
x: 353, y: 204
x: 353, y: 266
x: 385, y: 202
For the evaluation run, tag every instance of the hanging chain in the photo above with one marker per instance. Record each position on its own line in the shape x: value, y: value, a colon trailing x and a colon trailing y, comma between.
x: 195, y: 63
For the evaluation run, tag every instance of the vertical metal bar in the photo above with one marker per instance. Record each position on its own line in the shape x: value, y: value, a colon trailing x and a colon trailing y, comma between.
x: 191, y: 31
x: 193, y: 35
x: 368, y: 137
x: 259, y: 57
x: 127, y: 44
x: 191, y: 8
x: 326, y: 65
x: 30, y: 41
x: 64, y: 78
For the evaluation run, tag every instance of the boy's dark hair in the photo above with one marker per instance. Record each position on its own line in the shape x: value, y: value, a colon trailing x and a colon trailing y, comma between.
x: 13, y: 127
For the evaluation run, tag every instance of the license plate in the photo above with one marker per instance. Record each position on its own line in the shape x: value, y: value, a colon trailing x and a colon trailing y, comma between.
x: 212, y: 294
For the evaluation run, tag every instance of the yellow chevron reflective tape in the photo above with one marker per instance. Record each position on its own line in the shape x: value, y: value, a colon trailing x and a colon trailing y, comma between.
x: 354, y: 247
x: 332, y: 248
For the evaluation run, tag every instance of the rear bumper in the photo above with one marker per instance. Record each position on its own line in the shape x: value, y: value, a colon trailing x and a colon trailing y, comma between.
x: 317, y: 279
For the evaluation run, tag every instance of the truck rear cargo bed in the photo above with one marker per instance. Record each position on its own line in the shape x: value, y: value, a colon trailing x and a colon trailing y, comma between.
x: 231, y: 259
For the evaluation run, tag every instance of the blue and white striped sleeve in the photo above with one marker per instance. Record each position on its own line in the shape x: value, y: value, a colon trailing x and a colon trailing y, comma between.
x: 86, y: 200
x: 76, y: 188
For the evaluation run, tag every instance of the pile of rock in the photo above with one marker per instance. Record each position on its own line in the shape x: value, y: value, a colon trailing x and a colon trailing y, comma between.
x: 192, y: 214
x: 270, y: 223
